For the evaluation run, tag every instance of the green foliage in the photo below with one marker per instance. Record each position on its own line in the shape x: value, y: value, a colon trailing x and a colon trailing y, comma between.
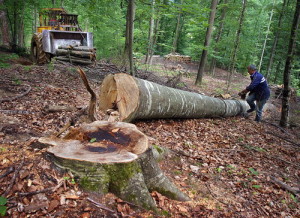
x: 253, y: 171
x: 5, y: 57
x: 107, y: 21
x: 3, y: 208
x: 93, y: 140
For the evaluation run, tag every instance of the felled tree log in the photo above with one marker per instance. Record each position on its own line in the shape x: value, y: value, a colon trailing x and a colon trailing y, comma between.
x: 84, y: 54
x: 74, y: 60
x: 78, y: 48
x: 113, y: 157
x: 140, y: 99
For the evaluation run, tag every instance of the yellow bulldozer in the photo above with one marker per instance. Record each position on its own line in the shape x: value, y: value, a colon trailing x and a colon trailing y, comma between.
x: 60, y: 36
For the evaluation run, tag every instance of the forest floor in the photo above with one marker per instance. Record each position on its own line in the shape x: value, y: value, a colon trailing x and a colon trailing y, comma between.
x: 229, y: 167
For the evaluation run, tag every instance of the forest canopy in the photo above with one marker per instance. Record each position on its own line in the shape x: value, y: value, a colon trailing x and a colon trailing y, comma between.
x: 175, y: 26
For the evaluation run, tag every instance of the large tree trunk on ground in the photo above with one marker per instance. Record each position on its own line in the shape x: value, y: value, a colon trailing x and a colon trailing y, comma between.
x: 140, y: 99
x: 113, y: 157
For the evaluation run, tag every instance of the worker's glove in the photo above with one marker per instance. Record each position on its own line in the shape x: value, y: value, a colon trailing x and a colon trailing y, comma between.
x: 243, y: 94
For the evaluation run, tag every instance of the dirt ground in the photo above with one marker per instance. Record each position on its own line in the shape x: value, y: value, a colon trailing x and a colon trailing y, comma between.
x: 229, y: 167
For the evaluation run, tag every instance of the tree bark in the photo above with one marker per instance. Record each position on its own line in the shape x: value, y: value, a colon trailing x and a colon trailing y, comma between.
x: 129, y: 35
x: 113, y: 157
x: 84, y: 54
x: 207, y: 42
x: 284, y: 120
x: 266, y: 38
x: 236, y: 44
x: 218, y: 38
x: 74, y: 60
x: 140, y: 99
x: 278, y: 30
x: 4, y: 26
x: 177, y: 31
x: 151, y: 34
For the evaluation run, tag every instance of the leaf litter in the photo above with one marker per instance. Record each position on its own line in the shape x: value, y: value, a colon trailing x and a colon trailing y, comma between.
x: 225, y: 165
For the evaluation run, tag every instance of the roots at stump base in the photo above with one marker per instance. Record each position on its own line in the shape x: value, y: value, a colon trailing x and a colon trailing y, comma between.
x: 115, y: 165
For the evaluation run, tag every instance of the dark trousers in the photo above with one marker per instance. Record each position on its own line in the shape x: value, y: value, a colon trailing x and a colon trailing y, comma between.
x: 258, y: 107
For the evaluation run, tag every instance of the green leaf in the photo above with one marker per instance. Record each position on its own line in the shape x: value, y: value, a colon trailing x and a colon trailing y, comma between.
x: 3, y: 200
x: 2, y: 210
x: 93, y: 140
x: 253, y: 171
x: 256, y: 186
x: 294, y: 198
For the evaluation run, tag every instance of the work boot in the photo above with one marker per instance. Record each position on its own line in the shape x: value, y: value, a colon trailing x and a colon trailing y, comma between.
x: 257, y: 119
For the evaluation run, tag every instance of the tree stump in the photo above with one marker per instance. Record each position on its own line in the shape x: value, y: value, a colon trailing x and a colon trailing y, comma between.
x: 140, y: 99
x: 113, y: 157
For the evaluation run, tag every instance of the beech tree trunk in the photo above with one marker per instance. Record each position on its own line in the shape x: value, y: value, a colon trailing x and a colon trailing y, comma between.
x: 150, y: 34
x: 236, y: 44
x: 284, y: 120
x: 113, y: 157
x: 177, y: 31
x: 140, y: 99
x: 129, y: 35
x: 278, y: 30
x: 218, y: 38
x: 5, y: 36
x: 207, y: 42
x: 266, y: 38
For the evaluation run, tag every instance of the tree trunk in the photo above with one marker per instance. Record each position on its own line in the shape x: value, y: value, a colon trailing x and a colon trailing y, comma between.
x: 84, y: 54
x: 113, y: 157
x: 277, y: 71
x: 21, y: 27
x: 207, y: 42
x: 236, y: 44
x: 140, y: 99
x: 154, y: 40
x: 220, y: 31
x: 4, y: 26
x: 266, y: 38
x: 71, y: 59
x: 288, y: 66
x: 275, y: 41
x: 129, y: 35
x: 177, y: 31
x: 151, y: 34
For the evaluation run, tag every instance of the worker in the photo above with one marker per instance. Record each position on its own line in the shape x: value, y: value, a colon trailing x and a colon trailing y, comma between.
x: 259, y: 92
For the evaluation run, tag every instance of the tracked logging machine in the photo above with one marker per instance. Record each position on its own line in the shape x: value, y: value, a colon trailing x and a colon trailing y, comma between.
x: 60, y: 36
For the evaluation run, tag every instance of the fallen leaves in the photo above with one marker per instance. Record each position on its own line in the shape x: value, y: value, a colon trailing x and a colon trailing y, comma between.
x: 211, y: 161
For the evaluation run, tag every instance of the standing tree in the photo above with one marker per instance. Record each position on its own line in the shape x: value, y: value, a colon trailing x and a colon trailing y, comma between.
x: 236, y: 44
x: 288, y: 66
x: 207, y: 42
x: 277, y: 32
x: 177, y: 30
x: 218, y: 38
x: 4, y: 28
x: 266, y: 39
x: 151, y: 35
x: 129, y: 35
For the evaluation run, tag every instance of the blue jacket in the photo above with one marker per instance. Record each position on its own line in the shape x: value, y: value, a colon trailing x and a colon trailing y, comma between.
x: 259, y: 86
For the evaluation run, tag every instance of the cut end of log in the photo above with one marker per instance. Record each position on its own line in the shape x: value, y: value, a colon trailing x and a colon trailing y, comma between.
x: 119, y: 92
x: 100, y: 142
